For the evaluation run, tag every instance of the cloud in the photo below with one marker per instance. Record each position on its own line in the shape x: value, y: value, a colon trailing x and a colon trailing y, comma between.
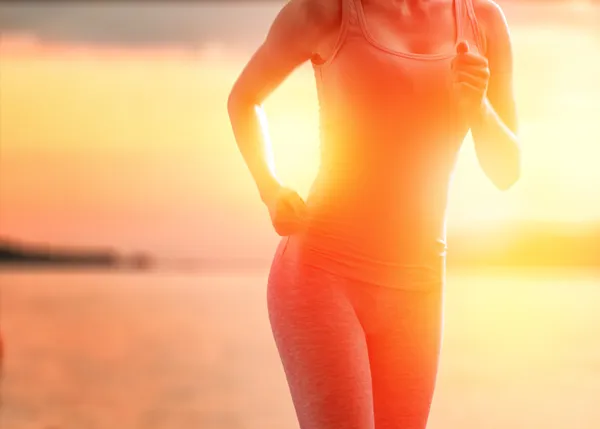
x: 129, y: 23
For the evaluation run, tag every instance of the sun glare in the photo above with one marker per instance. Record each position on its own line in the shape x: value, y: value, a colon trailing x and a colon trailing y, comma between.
x: 158, y: 124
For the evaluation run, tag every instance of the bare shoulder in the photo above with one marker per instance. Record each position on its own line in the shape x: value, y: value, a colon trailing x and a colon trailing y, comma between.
x: 492, y: 19
x: 295, y: 36
x: 324, y: 15
x: 496, y: 34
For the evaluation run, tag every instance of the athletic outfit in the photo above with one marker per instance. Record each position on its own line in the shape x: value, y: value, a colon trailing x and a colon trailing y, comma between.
x: 355, y: 300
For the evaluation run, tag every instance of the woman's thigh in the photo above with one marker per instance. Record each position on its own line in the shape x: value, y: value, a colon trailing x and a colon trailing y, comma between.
x: 403, y: 332
x: 321, y: 344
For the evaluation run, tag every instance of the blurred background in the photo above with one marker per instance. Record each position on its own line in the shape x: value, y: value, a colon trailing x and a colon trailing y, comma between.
x: 134, y: 249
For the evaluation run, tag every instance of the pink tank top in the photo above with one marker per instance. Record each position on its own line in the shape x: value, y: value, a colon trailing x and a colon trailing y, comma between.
x: 390, y: 135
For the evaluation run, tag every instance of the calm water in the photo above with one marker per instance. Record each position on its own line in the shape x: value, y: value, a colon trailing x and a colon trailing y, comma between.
x: 101, y: 350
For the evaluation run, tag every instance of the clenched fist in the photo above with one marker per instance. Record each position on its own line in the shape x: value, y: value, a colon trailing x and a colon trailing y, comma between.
x: 287, y: 211
x: 471, y: 75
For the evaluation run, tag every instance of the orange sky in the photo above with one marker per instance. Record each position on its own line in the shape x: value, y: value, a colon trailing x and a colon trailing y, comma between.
x: 135, y: 150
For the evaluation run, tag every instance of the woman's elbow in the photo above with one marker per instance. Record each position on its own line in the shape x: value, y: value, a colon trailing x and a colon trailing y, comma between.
x: 506, y: 183
x: 233, y: 103
x: 509, y: 176
x: 239, y: 103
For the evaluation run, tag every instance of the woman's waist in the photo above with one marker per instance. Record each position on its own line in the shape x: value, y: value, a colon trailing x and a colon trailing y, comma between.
x: 382, y: 235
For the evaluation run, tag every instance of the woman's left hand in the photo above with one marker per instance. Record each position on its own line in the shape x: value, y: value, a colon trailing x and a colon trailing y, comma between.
x: 470, y: 78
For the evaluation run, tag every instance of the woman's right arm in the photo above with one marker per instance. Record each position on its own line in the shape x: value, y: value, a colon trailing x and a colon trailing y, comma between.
x: 294, y: 37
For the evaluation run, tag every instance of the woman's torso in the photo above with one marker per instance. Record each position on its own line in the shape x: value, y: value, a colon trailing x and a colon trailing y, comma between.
x: 390, y: 135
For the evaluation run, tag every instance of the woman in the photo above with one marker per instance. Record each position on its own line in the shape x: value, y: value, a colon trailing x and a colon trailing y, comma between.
x: 355, y: 289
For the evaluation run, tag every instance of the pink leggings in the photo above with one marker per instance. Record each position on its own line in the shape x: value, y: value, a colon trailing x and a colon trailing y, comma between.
x: 356, y: 356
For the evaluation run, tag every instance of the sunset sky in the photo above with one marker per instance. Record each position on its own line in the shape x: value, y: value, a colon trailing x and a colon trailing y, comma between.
x: 121, y: 138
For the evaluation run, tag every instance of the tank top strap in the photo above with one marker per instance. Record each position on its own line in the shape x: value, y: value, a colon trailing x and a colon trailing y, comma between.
x: 350, y: 13
x: 467, y: 25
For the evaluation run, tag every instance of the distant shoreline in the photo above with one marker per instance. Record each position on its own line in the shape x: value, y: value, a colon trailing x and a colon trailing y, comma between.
x: 516, y: 246
x: 17, y: 254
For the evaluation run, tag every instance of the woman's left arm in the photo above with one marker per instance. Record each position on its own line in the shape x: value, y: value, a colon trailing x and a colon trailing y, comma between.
x: 494, y: 126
